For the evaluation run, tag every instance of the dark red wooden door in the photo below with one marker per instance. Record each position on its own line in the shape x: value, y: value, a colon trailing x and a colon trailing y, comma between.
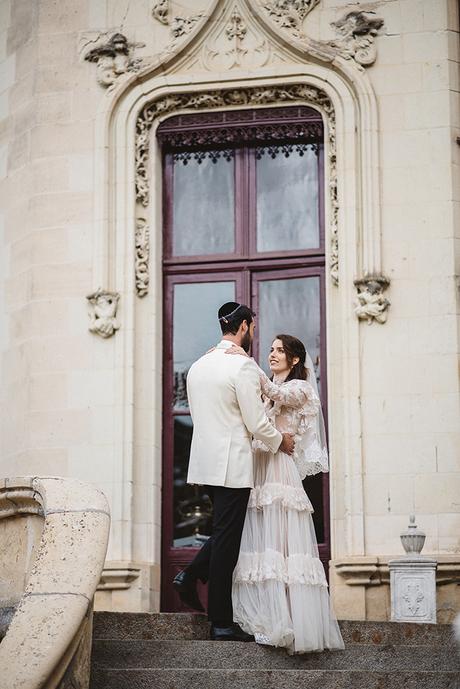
x: 243, y: 221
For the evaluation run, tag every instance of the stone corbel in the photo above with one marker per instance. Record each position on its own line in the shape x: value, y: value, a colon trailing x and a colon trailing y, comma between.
x: 103, y: 306
x: 371, y: 304
x: 113, y: 58
x: 366, y: 571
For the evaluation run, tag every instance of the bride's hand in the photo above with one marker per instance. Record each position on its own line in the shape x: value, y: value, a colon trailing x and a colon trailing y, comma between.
x: 234, y: 349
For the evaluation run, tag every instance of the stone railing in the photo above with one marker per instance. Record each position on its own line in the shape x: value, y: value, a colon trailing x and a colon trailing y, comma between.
x: 53, y: 541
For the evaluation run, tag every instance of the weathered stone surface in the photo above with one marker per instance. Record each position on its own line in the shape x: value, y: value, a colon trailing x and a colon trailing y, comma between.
x: 268, y: 679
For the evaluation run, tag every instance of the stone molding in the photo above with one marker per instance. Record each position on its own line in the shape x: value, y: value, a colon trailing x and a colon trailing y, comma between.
x: 103, y: 306
x: 117, y: 576
x: 258, y: 96
x: 49, y: 634
x: 374, y: 570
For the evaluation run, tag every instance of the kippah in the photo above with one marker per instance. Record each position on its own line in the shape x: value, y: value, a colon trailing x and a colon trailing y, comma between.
x: 226, y: 318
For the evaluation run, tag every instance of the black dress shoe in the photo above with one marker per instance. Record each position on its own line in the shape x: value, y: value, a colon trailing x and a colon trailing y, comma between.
x: 186, y: 588
x: 231, y: 633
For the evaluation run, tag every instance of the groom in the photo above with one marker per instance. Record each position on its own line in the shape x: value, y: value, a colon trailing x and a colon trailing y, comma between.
x: 227, y: 411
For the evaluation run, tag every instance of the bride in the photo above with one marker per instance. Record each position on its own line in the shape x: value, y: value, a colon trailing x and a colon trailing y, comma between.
x: 279, y: 587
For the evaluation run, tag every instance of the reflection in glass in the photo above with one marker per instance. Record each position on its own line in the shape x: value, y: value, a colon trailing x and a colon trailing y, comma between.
x: 290, y: 306
x: 293, y: 307
x: 287, y: 200
x: 195, y: 327
x: 203, y: 212
x: 192, y: 505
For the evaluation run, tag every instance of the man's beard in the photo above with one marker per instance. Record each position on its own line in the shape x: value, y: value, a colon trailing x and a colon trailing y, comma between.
x: 246, y: 341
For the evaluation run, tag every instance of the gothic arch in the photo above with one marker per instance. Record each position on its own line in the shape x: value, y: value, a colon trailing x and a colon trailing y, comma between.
x: 128, y: 234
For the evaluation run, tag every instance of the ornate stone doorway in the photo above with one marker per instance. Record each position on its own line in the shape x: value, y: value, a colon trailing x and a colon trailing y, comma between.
x: 243, y: 209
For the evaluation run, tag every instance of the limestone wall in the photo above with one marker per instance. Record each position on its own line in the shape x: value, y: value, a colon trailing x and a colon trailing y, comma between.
x: 76, y: 404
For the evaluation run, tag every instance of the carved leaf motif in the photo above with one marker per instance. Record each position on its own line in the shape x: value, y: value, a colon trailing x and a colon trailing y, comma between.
x: 300, y: 93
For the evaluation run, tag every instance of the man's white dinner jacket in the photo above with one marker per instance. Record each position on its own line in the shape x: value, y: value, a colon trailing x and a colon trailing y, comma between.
x: 226, y: 407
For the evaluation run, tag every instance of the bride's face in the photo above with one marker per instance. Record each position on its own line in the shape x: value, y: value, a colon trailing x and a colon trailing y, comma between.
x: 277, y: 359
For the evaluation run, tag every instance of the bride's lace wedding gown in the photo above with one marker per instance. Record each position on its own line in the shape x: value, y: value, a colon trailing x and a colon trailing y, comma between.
x: 279, y: 587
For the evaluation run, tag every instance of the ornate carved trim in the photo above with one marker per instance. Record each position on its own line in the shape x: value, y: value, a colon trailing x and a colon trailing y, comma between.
x: 289, y: 14
x: 160, y: 11
x: 261, y: 95
x: 103, y: 312
x: 142, y: 252
x: 357, y: 31
x: 113, y: 58
x: 241, y: 53
x: 371, y: 304
x: 374, y: 570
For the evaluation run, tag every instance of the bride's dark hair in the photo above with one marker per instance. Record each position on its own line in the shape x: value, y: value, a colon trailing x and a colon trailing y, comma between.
x: 294, y: 348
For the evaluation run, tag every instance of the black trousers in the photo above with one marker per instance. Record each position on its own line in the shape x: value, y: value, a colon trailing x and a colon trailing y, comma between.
x: 217, y: 558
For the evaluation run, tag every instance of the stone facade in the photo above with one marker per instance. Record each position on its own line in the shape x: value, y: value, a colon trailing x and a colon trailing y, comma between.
x: 80, y: 194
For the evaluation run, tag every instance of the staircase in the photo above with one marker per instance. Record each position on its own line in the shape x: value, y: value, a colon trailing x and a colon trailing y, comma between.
x: 173, y: 651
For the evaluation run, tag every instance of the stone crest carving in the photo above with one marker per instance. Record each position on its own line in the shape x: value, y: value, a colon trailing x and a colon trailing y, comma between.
x: 260, y: 95
x: 372, y: 305
x: 103, y: 306
x: 357, y: 31
x: 142, y: 252
x: 113, y: 58
x: 245, y: 49
x: 289, y: 14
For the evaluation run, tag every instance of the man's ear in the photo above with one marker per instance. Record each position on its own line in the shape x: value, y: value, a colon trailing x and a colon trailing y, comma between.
x: 244, y: 326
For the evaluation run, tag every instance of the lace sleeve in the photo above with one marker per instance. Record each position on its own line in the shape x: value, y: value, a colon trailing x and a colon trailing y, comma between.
x: 296, y: 394
x: 310, y: 453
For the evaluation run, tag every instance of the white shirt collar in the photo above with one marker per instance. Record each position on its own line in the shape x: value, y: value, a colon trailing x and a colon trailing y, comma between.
x: 224, y: 344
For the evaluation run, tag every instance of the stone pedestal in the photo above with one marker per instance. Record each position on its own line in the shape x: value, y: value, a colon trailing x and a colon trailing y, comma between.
x: 413, y: 589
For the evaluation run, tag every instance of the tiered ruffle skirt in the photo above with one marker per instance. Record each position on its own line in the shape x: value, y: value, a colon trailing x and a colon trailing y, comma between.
x: 279, y: 587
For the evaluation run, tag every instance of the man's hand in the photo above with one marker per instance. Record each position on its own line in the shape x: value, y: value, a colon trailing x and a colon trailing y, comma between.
x: 287, y: 444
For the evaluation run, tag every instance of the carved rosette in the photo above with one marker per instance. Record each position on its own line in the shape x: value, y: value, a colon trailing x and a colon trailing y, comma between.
x: 371, y: 304
x: 103, y: 306
x: 261, y: 95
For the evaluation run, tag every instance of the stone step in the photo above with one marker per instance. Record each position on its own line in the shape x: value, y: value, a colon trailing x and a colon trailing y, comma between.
x: 114, y: 625
x: 230, y: 655
x: 271, y: 679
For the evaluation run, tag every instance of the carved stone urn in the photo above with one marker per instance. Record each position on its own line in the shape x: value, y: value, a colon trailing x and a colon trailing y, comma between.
x: 413, y: 539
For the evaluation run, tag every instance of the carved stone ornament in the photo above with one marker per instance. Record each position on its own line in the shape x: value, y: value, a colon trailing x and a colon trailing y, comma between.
x: 357, y: 31
x: 142, y: 251
x: 160, y: 11
x: 113, y: 58
x: 371, y: 304
x: 245, y: 49
x: 261, y: 95
x: 289, y: 14
x: 103, y: 312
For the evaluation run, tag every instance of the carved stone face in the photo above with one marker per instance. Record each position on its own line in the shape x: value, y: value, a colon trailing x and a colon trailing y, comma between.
x: 105, y: 306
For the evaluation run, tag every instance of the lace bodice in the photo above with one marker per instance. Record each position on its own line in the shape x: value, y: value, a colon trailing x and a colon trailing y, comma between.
x: 293, y: 407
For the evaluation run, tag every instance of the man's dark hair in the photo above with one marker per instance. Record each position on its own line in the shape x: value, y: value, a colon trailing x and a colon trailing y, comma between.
x: 231, y: 315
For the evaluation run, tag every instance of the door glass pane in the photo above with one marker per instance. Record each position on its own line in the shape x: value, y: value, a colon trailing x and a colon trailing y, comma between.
x: 192, y: 505
x: 290, y: 306
x: 287, y: 198
x: 195, y: 327
x: 204, y: 202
